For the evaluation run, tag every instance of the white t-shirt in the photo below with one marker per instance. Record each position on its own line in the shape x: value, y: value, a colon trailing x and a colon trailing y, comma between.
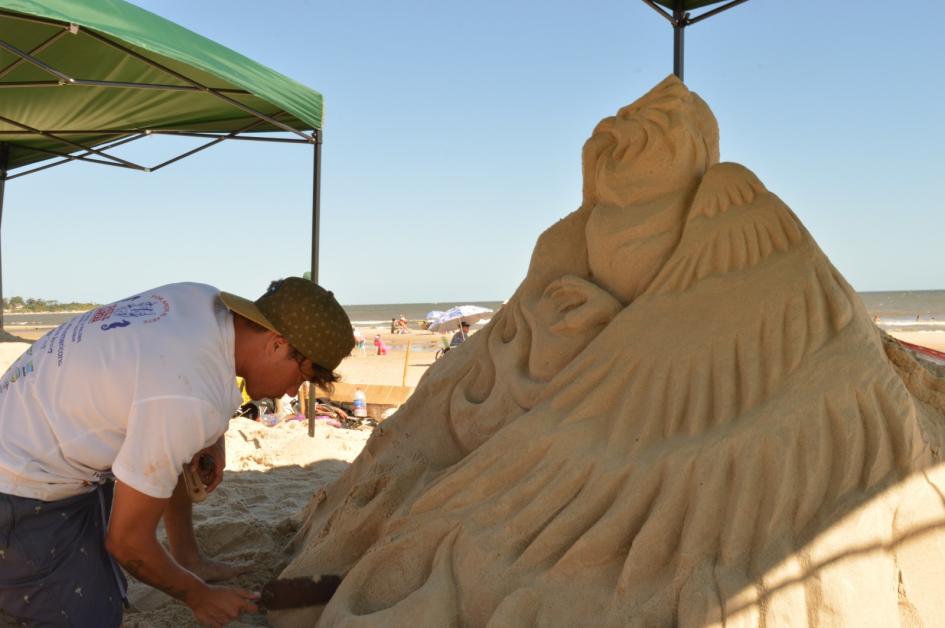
x: 134, y: 389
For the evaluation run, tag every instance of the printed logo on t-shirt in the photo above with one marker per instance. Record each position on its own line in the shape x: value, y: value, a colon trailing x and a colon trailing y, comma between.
x: 153, y: 308
x: 102, y: 313
x: 19, y: 369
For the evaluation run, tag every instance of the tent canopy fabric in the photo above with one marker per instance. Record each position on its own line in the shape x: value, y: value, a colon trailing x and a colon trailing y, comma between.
x: 93, y: 53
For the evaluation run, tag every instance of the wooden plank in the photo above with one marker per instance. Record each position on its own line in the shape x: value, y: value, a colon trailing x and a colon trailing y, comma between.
x: 375, y: 394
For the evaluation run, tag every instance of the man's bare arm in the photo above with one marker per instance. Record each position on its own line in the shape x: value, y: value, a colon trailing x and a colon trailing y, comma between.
x: 132, y: 540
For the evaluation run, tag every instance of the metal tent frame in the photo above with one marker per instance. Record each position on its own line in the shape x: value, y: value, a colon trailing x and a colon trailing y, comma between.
x: 680, y: 18
x: 68, y: 150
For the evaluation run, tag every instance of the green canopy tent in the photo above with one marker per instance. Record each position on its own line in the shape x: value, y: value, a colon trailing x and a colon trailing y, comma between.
x: 79, y: 78
x: 681, y: 17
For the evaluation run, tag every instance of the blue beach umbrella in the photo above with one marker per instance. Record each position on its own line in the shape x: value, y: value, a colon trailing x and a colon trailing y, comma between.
x: 454, y: 317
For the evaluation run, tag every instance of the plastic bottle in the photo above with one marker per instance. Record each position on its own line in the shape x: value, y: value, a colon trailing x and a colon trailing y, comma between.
x: 360, y: 404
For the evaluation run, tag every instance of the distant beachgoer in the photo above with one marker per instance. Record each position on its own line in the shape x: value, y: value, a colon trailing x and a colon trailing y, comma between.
x: 359, y: 341
x: 393, y: 325
x: 460, y: 336
x: 402, y: 325
x: 381, y: 347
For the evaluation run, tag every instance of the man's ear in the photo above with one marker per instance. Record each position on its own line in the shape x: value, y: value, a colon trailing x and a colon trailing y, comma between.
x: 274, y: 342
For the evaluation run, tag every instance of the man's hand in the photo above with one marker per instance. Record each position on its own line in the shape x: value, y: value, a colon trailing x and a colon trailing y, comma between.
x: 179, y: 526
x: 216, y: 606
x: 210, y: 462
x: 132, y: 540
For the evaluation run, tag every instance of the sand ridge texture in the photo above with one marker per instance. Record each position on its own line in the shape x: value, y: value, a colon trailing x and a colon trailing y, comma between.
x: 684, y: 416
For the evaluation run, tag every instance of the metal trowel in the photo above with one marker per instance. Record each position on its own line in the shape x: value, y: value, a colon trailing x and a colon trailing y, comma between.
x: 276, y: 595
x: 286, y: 593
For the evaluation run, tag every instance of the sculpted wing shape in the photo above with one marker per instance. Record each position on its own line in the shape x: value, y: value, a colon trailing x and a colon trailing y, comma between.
x: 734, y: 224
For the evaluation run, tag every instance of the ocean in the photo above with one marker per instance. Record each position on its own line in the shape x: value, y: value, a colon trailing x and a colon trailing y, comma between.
x: 372, y: 315
x: 916, y: 310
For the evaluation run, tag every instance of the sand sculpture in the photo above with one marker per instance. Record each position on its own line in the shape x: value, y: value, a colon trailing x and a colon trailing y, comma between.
x: 684, y: 416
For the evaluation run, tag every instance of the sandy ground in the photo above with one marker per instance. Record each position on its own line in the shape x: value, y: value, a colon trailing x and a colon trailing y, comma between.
x: 931, y: 339
x: 273, y: 472
x: 370, y: 368
x: 416, y: 351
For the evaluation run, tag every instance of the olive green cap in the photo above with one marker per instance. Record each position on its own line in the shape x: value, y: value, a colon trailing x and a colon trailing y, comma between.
x: 305, y: 314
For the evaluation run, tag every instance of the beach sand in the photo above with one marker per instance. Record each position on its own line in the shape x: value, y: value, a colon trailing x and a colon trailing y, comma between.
x: 388, y: 370
x: 930, y: 339
x: 272, y: 472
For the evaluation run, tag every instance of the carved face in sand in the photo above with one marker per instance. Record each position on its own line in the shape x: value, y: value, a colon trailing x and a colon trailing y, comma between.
x: 641, y: 169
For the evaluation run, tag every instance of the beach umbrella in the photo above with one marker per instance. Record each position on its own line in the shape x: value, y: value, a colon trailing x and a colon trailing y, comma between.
x: 454, y: 317
x: 681, y: 17
x: 429, y: 318
x: 79, y: 78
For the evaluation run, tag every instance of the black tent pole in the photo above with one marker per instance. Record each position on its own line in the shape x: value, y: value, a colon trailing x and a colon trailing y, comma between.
x: 316, y: 200
x: 680, y: 19
x: 679, y: 25
x: 316, y: 211
x: 4, y: 157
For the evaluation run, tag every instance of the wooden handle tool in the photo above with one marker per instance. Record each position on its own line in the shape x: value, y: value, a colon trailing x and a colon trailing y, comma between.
x: 192, y: 480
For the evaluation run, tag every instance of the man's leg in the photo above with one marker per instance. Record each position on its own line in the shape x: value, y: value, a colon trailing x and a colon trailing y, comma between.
x: 54, y: 570
x: 179, y: 525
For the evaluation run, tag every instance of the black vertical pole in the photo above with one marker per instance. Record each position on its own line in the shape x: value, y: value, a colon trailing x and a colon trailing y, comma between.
x: 4, y: 160
x: 679, y: 26
x: 316, y: 212
x: 316, y: 201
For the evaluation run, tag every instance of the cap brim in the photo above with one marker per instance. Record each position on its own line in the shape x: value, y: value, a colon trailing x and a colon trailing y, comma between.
x: 246, y: 309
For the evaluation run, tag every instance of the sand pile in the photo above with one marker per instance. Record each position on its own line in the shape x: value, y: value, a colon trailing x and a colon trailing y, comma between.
x: 684, y: 416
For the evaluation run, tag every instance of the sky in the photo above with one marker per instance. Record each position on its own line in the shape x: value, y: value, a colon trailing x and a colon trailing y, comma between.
x: 453, y: 135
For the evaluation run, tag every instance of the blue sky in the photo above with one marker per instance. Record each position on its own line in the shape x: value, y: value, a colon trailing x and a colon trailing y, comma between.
x: 453, y: 136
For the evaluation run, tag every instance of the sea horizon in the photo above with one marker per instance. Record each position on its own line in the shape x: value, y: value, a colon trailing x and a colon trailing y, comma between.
x: 906, y: 310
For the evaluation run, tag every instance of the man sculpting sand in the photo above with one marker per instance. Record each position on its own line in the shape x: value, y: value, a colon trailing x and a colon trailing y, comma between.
x: 134, y: 391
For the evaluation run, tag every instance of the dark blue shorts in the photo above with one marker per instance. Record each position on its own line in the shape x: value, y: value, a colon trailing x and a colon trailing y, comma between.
x: 54, y: 570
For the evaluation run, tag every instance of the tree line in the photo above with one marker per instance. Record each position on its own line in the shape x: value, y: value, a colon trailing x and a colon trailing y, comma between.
x: 19, y: 304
